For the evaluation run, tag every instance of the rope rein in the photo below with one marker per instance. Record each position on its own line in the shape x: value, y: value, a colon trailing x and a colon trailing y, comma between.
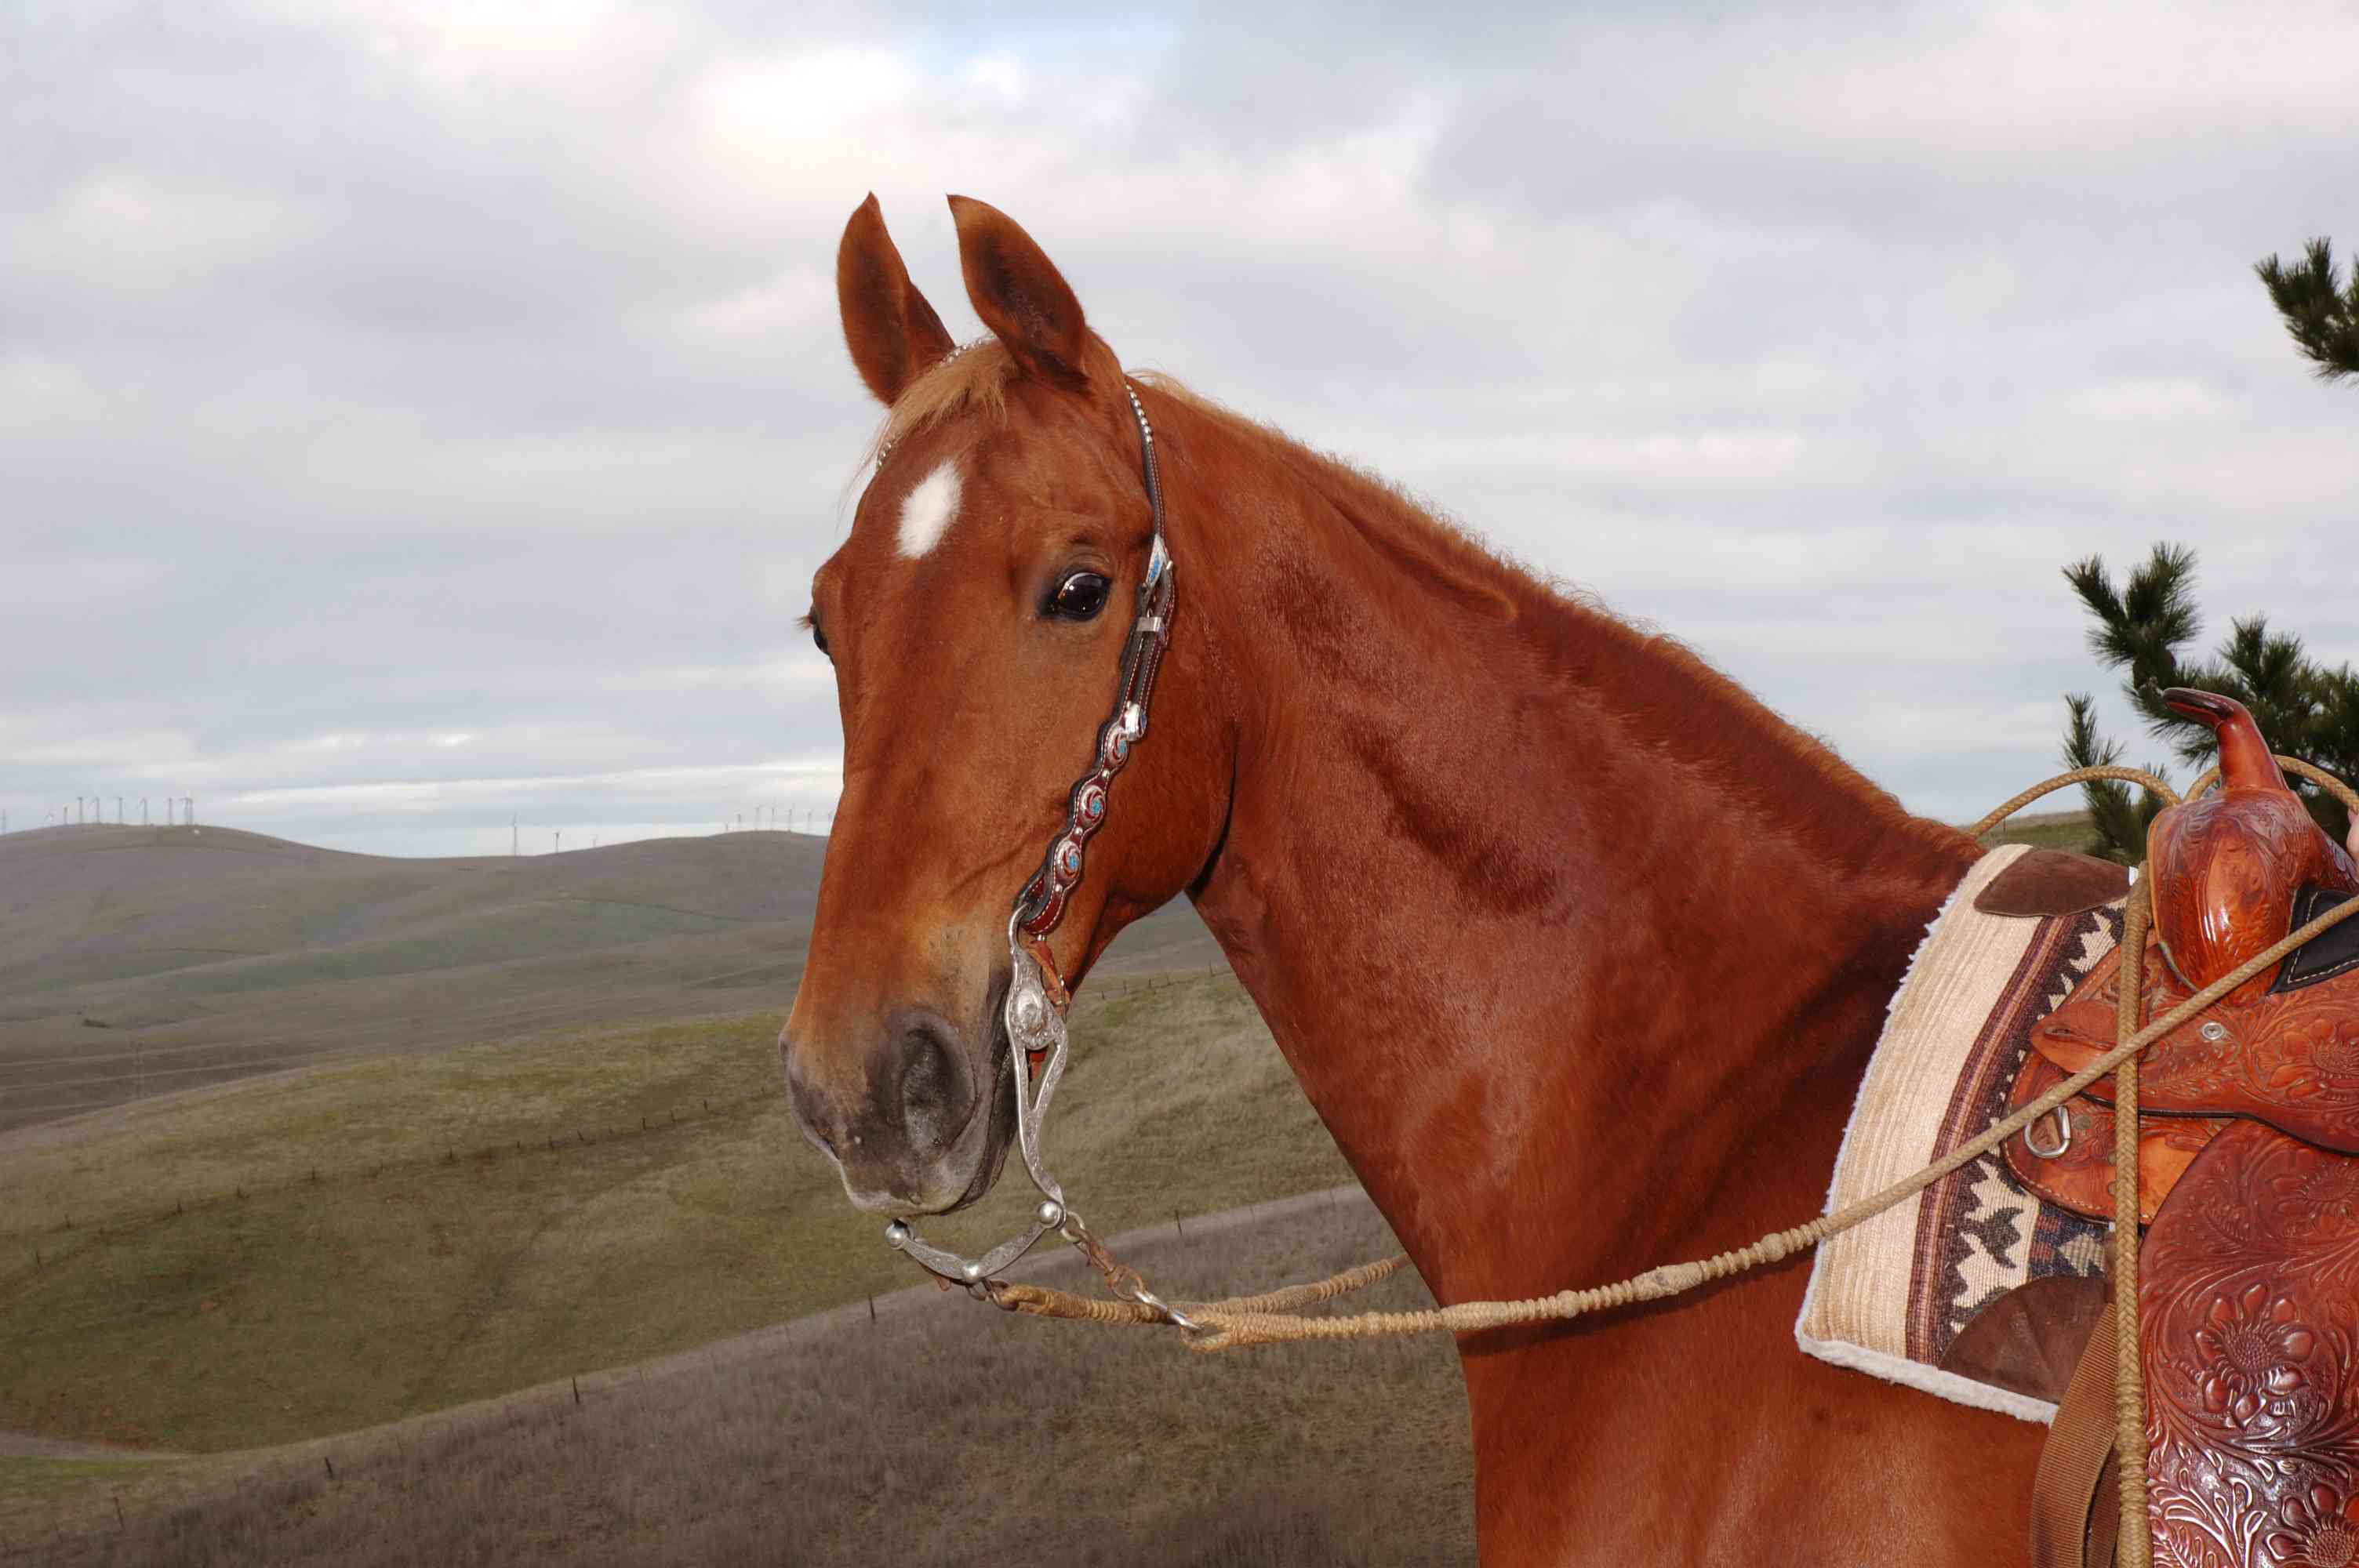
x: 2133, y: 1543
x: 1269, y: 1319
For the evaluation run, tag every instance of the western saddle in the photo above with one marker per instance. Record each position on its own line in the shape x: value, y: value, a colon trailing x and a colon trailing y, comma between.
x: 2248, y: 1312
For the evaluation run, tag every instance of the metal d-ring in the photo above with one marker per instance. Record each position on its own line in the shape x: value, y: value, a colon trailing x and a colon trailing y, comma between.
x: 2063, y: 1135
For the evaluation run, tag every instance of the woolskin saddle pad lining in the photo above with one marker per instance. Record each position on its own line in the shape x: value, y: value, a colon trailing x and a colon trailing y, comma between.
x: 1887, y: 1297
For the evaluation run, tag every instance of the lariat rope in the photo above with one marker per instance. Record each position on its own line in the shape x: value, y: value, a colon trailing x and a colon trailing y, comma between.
x: 2133, y: 1546
x: 1267, y: 1320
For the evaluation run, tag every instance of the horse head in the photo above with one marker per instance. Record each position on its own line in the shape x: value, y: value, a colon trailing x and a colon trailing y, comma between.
x: 977, y: 617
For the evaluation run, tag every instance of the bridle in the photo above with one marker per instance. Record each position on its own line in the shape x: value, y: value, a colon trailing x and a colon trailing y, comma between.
x: 1038, y: 995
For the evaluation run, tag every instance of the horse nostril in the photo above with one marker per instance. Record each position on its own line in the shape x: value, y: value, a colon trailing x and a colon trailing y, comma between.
x: 935, y: 1097
x: 805, y: 1106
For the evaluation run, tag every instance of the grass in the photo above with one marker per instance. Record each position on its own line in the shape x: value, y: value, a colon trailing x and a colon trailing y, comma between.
x: 490, y: 1217
x: 137, y: 962
x: 2044, y: 831
x: 941, y: 1433
x: 35, y: 1475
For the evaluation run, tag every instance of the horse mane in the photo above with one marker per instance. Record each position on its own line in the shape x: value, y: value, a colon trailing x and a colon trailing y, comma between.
x: 1718, y: 724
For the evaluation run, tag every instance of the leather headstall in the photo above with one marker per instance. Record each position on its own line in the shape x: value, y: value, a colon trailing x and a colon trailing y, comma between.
x: 1033, y: 1011
x: 1041, y: 905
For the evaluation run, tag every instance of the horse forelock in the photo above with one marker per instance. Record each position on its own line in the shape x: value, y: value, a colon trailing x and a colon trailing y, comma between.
x: 974, y: 378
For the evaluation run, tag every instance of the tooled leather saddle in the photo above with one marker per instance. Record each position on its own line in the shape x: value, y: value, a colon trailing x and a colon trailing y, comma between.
x: 2248, y: 1172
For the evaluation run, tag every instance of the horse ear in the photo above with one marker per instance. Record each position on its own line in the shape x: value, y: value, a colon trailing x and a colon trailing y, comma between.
x: 894, y: 335
x: 1019, y: 294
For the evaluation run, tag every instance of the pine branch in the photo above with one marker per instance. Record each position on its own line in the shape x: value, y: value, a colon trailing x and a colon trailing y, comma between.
x: 2322, y: 318
x: 2145, y: 624
x: 2118, y: 815
x: 2303, y: 710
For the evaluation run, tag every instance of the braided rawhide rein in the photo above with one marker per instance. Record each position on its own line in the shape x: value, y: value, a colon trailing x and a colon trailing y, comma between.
x: 2133, y: 1546
x: 1267, y: 1319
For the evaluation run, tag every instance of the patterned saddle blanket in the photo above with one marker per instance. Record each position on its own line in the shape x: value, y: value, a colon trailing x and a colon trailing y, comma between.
x: 1892, y: 1296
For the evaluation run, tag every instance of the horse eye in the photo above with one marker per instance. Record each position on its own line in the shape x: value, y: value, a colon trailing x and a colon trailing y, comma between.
x: 818, y: 640
x: 1080, y: 595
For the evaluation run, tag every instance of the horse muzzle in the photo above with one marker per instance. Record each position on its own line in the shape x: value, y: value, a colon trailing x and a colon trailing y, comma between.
x: 923, y: 1125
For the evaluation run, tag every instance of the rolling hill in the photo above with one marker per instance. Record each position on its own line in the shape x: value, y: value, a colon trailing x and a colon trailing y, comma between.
x: 136, y: 961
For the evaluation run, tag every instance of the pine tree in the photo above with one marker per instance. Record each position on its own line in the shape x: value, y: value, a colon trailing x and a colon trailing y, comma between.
x: 2323, y: 318
x: 2304, y: 710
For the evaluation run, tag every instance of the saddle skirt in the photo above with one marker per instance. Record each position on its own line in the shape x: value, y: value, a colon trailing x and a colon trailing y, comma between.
x: 2248, y: 1318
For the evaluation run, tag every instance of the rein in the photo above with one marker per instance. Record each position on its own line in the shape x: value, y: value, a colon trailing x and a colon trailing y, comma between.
x: 1270, y: 1318
x: 1038, y: 995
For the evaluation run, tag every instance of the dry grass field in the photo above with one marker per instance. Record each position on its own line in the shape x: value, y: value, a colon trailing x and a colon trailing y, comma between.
x: 447, y: 1140
x: 138, y: 961
x: 2043, y: 830
x: 940, y: 1433
x: 490, y: 1217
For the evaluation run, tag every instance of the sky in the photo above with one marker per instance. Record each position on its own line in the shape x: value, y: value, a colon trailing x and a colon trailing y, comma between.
x: 422, y: 418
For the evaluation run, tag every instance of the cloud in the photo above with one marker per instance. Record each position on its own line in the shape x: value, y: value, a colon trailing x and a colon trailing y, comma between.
x: 378, y: 373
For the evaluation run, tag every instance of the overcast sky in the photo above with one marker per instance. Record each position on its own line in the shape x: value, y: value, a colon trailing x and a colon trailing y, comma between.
x: 414, y: 416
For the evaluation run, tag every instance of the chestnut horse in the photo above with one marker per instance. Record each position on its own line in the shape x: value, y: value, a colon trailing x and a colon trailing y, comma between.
x: 1576, y: 948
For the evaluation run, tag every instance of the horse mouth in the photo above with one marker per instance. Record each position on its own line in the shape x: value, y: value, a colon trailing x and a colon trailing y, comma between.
x: 998, y: 1117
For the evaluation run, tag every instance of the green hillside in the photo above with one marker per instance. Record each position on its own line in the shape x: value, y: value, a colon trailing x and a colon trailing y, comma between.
x: 138, y: 961
x: 173, y: 1274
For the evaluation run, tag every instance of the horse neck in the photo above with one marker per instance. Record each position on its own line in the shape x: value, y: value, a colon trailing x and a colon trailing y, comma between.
x: 1541, y: 909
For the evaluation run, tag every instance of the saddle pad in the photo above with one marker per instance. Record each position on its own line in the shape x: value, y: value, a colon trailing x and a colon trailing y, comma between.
x: 1888, y: 1296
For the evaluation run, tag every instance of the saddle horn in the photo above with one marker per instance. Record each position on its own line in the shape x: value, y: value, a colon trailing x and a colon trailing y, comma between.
x: 2226, y: 868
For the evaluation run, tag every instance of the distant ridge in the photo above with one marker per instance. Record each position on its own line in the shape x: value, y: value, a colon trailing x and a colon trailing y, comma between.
x: 144, y: 960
